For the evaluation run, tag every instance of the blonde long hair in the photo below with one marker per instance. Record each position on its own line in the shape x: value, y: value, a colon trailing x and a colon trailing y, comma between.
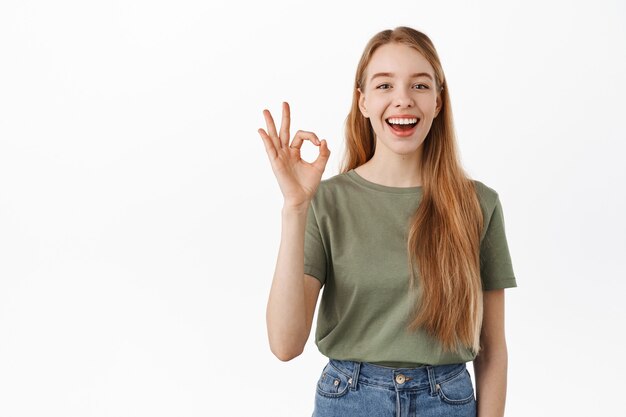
x: 444, y: 237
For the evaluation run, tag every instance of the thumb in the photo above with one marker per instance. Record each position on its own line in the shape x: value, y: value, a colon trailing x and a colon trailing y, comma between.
x: 323, y: 156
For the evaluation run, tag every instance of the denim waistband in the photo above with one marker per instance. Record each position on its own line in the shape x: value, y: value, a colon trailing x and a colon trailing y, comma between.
x: 427, y: 376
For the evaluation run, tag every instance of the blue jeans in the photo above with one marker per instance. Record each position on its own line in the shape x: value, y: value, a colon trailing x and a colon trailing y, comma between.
x: 348, y: 388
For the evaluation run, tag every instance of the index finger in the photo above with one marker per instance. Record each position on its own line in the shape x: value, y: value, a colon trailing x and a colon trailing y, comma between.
x: 269, y: 121
x: 271, y: 128
x: 284, y: 125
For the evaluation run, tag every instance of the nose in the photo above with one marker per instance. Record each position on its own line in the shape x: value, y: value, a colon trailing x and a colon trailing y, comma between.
x: 403, y: 98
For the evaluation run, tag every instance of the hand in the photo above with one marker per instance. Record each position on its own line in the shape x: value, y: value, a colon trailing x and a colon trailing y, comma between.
x: 297, y: 178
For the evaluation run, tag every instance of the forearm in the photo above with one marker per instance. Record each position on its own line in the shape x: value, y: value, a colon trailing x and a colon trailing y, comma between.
x: 490, y: 370
x: 286, y: 310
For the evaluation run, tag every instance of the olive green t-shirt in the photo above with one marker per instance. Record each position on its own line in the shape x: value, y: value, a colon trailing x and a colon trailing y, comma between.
x: 355, y: 245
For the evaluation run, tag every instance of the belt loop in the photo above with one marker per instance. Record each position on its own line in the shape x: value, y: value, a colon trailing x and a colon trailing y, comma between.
x: 355, y: 376
x: 432, y: 379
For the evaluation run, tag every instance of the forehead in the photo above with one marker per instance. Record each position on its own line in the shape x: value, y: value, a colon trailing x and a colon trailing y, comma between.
x: 398, y: 59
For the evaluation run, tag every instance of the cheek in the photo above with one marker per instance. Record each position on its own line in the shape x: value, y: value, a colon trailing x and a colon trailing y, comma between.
x: 377, y: 110
x: 428, y: 104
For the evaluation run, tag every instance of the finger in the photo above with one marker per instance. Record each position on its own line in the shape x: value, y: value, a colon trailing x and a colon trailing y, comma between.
x: 284, y: 125
x: 271, y: 128
x: 300, y: 136
x: 269, y: 145
x: 322, y: 158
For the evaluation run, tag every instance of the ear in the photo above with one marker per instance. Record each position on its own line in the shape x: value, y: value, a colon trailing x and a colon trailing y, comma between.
x: 439, y: 104
x: 362, y: 103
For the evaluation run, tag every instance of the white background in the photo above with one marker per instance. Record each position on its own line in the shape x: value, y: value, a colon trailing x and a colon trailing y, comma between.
x: 140, y: 217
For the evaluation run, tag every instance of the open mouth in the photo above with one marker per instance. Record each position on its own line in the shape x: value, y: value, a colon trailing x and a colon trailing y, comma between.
x: 403, y: 126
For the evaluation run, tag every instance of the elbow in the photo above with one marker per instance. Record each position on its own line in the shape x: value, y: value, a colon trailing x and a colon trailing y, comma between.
x: 286, y: 354
x: 285, y: 344
x: 285, y: 357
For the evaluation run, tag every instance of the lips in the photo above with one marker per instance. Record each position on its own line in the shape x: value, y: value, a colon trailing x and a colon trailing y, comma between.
x: 405, y: 130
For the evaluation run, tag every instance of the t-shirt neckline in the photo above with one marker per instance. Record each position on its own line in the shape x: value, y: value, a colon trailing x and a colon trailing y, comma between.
x: 352, y: 174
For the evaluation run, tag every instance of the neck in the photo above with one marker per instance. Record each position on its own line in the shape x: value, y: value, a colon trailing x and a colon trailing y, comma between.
x: 392, y: 169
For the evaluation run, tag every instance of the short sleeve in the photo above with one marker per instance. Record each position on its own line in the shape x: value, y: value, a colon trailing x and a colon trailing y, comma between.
x: 496, y: 269
x: 314, y: 254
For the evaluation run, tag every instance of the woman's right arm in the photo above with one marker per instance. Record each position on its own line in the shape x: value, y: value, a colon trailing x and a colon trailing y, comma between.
x: 293, y: 295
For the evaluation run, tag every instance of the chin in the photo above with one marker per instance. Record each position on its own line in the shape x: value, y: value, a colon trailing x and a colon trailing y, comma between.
x: 405, y: 150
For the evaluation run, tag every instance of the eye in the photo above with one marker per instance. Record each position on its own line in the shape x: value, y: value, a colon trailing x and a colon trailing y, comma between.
x: 387, y: 84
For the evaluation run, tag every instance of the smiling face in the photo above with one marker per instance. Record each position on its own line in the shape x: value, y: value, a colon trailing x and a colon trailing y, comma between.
x: 399, y: 89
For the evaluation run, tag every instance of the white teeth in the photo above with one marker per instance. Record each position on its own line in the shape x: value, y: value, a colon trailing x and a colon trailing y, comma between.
x: 396, y: 121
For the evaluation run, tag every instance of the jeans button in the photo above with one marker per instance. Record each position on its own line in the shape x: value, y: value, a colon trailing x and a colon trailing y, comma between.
x: 400, y: 379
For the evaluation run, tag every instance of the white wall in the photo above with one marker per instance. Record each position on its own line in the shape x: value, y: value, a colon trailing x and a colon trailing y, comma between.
x: 140, y: 218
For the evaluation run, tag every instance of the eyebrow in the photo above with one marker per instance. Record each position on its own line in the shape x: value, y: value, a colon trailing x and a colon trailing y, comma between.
x: 390, y: 74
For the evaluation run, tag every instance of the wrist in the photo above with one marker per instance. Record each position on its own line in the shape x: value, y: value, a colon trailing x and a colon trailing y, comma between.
x: 296, y: 208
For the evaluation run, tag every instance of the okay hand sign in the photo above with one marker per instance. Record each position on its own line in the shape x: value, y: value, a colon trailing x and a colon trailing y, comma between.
x: 297, y: 178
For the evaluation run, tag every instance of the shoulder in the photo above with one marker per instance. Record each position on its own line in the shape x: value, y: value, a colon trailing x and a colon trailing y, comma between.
x: 489, y: 203
x: 487, y: 196
x: 335, y: 181
x: 334, y: 195
x: 332, y: 186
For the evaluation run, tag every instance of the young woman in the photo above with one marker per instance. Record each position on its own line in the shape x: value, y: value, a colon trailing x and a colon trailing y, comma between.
x: 411, y: 252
